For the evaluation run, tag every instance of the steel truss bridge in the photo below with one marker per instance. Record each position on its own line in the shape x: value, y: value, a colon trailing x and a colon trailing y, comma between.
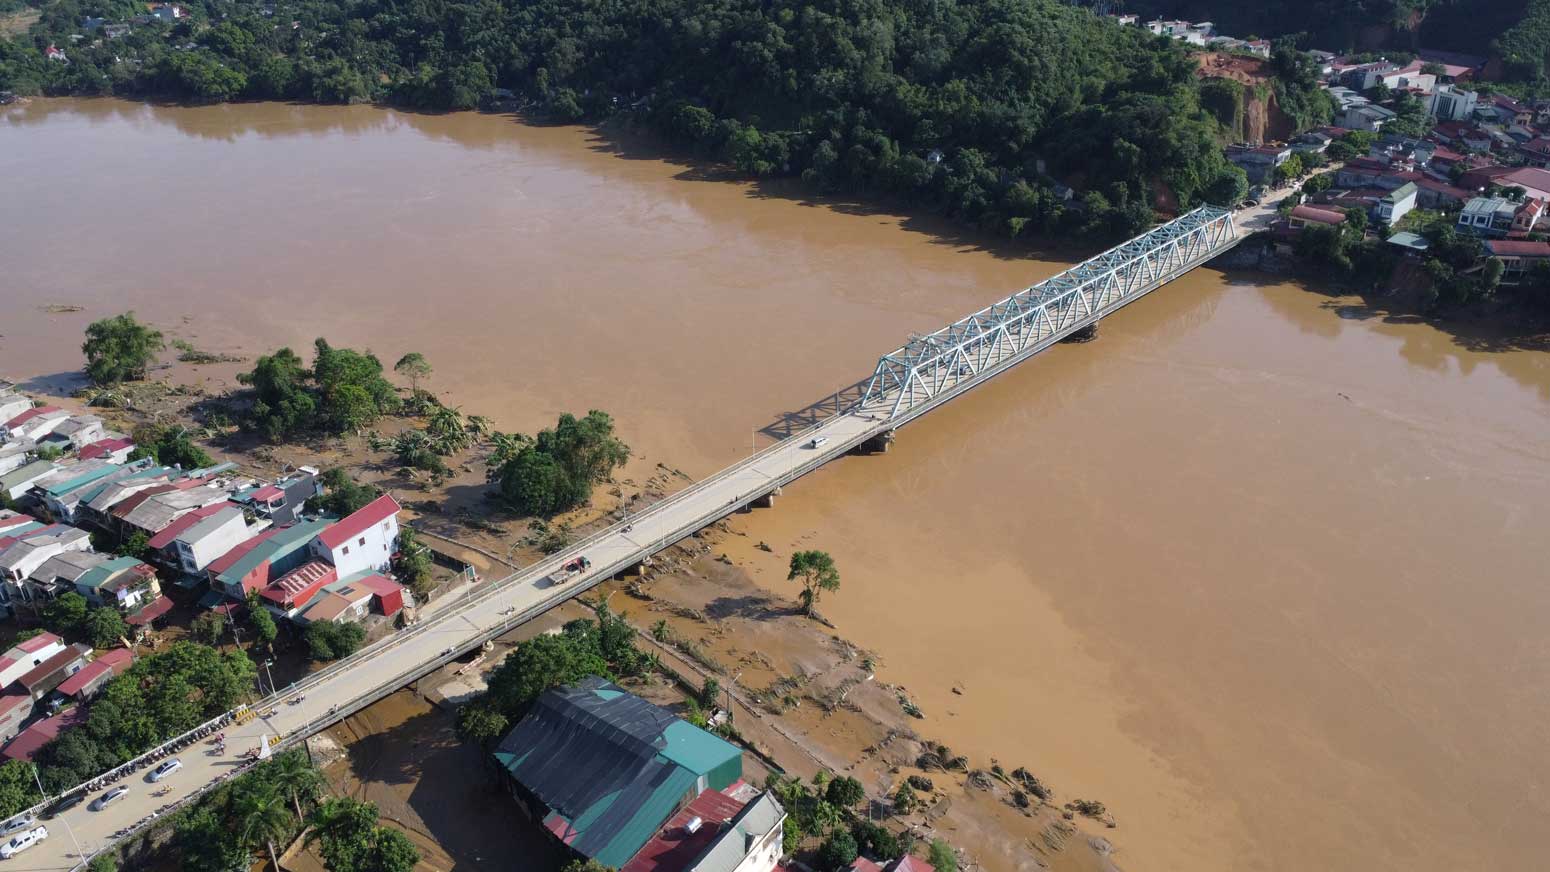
x: 927, y: 371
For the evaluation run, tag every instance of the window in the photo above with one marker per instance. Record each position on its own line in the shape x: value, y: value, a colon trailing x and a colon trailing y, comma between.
x: 347, y: 549
x: 363, y: 541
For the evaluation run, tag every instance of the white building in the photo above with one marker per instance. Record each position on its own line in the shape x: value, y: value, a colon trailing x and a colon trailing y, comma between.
x: 1399, y: 203
x: 12, y: 405
x: 364, y: 541
x: 211, y: 537
x: 1449, y: 103
x: 27, y: 656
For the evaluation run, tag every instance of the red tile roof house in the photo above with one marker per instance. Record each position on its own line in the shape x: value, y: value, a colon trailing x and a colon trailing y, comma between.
x: 1517, y: 257
x: 351, y: 600
x: 15, y: 709
x: 116, y: 450
x: 42, y: 680
x: 27, y: 656
x: 32, y: 739
x: 35, y: 423
x: 84, y: 685
x: 362, y: 542
x: 291, y: 593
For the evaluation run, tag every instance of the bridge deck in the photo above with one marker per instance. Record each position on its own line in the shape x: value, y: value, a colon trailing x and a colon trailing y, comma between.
x: 462, y: 625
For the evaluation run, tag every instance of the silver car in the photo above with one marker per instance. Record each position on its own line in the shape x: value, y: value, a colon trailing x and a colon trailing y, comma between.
x: 109, y: 798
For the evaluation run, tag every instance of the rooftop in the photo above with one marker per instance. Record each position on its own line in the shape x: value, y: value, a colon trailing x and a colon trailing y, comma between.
x: 175, y: 529
x: 115, y: 661
x: 358, y: 522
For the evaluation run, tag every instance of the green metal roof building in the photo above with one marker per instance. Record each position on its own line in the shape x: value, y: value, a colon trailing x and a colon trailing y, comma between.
x: 284, y: 551
x: 603, y: 769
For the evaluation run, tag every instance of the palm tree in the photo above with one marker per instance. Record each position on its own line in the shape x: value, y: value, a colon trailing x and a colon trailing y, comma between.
x: 480, y: 427
x: 297, y: 777
x: 447, y: 431
x: 263, y: 817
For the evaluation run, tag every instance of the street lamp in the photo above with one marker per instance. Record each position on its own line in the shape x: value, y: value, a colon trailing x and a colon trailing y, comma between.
x: 267, y: 664
x: 66, y: 821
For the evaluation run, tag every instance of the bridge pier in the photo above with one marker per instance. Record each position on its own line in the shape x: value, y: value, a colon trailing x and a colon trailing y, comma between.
x: 767, y: 501
x: 1086, y: 334
x: 877, y: 444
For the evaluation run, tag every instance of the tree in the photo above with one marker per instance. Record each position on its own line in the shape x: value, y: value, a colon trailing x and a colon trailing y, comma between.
x: 413, y: 563
x: 352, y: 391
x: 343, y: 495
x: 17, y: 788
x: 875, y: 840
x: 138, y: 545
x: 904, y: 799
x: 208, y: 627
x: 282, y: 405
x: 478, y: 723
x: 119, y: 349
x: 414, y: 367
x: 391, y: 851
x: 837, y: 852
x: 169, y: 447
x: 845, y: 792
x: 264, y: 628
x: 327, y: 640
x: 103, y: 863
x: 205, y: 843
x: 942, y: 856
x: 292, y: 773
x: 557, y: 471
x: 817, y: 573
x: 710, y: 693
x: 65, y: 614
x: 263, y: 819
x: 537, y: 665
x: 350, y: 839
x: 104, y: 627
x: 447, y: 431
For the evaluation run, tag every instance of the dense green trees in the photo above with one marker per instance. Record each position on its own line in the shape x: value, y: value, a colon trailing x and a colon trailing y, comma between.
x: 556, y: 471
x: 160, y: 696
x: 603, y: 647
x: 350, y: 839
x: 169, y: 446
x: 345, y: 390
x: 250, y: 815
x: 342, y: 495
x: 327, y: 640
x: 18, y: 790
x: 969, y: 109
x: 119, y: 348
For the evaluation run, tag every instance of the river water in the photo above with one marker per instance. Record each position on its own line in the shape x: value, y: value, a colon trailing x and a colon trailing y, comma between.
x: 1261, y: 569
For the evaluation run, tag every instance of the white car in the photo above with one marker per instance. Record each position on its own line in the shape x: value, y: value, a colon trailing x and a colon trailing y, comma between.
x: 111, y: 796
x: 165, y: 769
x: 817, y: 441
x: 17, y: 823
x: 22, y: 841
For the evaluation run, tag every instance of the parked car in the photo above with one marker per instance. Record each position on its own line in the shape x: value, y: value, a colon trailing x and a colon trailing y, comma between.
x: 817, y: 441
x: 164, y: 770
x: 21, y: 822
x: 64, y: 804
x: 22, y: 841
x: 109, y: 798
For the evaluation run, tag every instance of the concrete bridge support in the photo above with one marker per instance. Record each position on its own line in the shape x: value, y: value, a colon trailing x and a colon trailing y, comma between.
x: 877, y: 444
x: 767, y: 501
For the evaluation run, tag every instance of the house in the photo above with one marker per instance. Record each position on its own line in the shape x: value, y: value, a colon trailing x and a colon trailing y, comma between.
x: 35, y: 423
x: 115, y: 450
x: 1362, y: 77
x: 1452, y: 104
x: 1312, y: 142
x: 12, y: 404
x: 56, y: 54
x: 1365, y: 117
x: 1534, y: 182
x: 1517, y: 257
x: 1412, y: 243
x: 15, y: 709
x: 1440, y: 195
x: 1487, y: 216
x: 59, y: 573
x: 1259, y: 162
x: 31, y: 740
x: 159, y: 510
x: 16, y: 483
x: 291, y: 592
x: 22, y: 555
x: 15, y: 455
x: 282, y: 502
x: 122, y: 582
x: 605, y: 770
x: 27, y: 656
x: 1399, y: 203
x: 84, y: 684
x: 168, y: 12
x: 906, y: 863
x: 76, y: 431
x: 41, y: 680
x: 352, y: 600
x: 252, y: 564
x: 65, y: 494
x: 739, y: 829
x: 363, y: 541
x: 1304, y: 215
x: 195, y: 540
x: 1527, y: 216
x: 1509, y: 111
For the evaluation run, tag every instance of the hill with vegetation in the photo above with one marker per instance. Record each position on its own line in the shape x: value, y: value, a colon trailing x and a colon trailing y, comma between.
x: 974, y: 110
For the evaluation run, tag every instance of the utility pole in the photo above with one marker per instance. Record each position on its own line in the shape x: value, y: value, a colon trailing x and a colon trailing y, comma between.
x: 81, y: 855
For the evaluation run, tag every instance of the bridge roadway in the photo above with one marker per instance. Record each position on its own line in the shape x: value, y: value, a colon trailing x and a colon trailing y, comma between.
x: 447, y: 633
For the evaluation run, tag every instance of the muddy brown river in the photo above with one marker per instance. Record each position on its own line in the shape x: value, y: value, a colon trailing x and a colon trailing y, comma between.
x: 1261, y: 569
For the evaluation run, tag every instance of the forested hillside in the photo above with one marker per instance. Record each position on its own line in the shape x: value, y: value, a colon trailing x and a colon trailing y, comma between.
x: 948, y: 105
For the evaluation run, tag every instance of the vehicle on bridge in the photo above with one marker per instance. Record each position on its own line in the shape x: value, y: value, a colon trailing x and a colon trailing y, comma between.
x: 817, y: 441
x: 64, y: 804
x: 22, y: 842
x: 109, y: 798
x: 21, y: 822
x: 570, y: 570
x: 164, y: 770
